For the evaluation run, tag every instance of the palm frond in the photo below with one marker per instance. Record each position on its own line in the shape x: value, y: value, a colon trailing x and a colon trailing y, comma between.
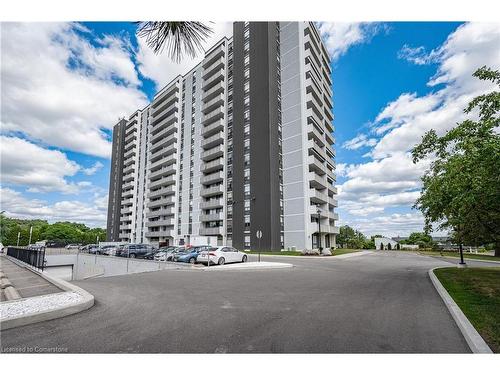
x: 178, y: 38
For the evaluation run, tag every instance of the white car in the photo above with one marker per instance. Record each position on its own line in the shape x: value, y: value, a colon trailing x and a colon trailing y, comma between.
x: 221, y: 255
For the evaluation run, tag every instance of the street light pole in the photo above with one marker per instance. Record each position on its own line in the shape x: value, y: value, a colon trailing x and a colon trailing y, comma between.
x: 18, y: 237
x: 318, y: 210
x: 31, y: 231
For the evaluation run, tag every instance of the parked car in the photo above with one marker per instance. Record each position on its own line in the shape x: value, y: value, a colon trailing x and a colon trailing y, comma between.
x: 109, y: 250
x: 135, y: 250
x: 167, y: 253
x: 73, y: 246
x: 221, y: 255
x: 93, y: 249
x: 150, y: 255
x: 190, y: 255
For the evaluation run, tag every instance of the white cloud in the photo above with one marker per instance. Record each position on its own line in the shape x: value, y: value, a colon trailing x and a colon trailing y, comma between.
x: 361, y: 140
x: 161, y: 69
x: 59, y: 89
x: 391, y: 179
x: 340, y: 36
x: 93, y: 169
x: 390, y: 225
x: 38, y: 169
x: 16, y: 205
x: 416, y: 55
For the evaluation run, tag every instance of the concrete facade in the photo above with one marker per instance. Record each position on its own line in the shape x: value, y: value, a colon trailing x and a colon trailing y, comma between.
x: 241, y: 143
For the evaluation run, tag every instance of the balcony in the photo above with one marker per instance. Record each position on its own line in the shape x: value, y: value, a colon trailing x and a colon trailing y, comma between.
x: 160, y: 233
x: 212, y: 178
x: 165, y: 132
x: 212, y: 203
x: 126, y: 210
x: 215, y: 102
x: 212, y: 153
x: 129, y: 154
x: 162, y: 172
x: 129, y: 169
x: 128, y: 185
x: 161, y: 122
x: 128, y: 177
x: 216, y: 114
x: 166, y: 181
x: 211, y: 191
x: 212, y: 92
x: 126, y: 227
x: 167, y: 160
x: 328, y: 126
x: 213, y: 128
x: 213, y: 54
x: 161, y: 202
x: 124, y: 236
x: 131, y: 137
x: 212, y: 217
x: 316, y: 148
x: 318, y: 197
x: 313, y: 132
x: 164, y: 94
x: 212, y: 141
x: 334, y: 216
x: 165, y: 107
x: 161, y: 212
x: 163, y: 143
x: 127, y: 193
x: 215, y: 64
x: 127, y: 202
x: 333, y: 201
x: 161, y: 223
x: 217, y: 77
x: 316, y: 165
x: 165, y: 191
x: 216, y: 231
x: 213, y: 165
x: 329, y: 138
x: 161, y: 153
x: 317, y: 181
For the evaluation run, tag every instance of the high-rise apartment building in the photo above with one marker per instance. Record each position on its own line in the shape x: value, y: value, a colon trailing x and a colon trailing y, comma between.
x: 240, y: 144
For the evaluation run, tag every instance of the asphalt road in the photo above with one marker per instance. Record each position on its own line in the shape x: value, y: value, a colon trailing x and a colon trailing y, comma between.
x: 378, y: 303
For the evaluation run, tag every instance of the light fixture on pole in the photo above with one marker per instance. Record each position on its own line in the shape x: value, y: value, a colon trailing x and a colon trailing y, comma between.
x: 31, y: 231
x: 318, y: 210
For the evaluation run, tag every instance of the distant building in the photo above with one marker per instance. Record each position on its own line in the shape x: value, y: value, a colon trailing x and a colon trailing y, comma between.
x: 384, y: 243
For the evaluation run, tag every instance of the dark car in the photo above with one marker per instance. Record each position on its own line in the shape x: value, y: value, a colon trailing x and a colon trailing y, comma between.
x: 135, y: 250
x: 190, y: 255
x: 150, y: 255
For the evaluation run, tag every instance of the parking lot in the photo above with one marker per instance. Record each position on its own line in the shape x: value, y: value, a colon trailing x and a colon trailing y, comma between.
x: 382, y: 302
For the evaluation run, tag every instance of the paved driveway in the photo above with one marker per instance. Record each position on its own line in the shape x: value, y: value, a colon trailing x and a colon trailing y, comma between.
x: 376, y: 303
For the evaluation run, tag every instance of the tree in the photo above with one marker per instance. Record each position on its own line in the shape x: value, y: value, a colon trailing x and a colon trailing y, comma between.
x: 354, y: 239
x: 65, y: 232
x: 178, y: 37
x: 420, y: 239
x: 461, y: 190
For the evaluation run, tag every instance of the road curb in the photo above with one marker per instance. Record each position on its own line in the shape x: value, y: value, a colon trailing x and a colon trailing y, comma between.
x: 474, y: 340
x: 86, y: 302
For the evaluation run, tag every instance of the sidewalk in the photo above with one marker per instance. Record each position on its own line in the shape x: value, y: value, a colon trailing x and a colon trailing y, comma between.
x: 27, y: 283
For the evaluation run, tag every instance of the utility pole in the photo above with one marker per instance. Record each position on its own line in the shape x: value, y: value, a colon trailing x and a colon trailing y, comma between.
x: 18, y: 237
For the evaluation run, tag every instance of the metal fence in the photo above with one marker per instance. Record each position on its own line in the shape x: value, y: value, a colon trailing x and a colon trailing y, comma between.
x: 33, y: 257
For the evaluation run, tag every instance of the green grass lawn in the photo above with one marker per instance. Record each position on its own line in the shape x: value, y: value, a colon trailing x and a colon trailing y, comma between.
x: 477, y: 292
x: 457, y: 255
x: 298, y: 253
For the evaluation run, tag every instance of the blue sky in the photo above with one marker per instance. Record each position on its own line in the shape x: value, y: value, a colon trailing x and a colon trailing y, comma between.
x: 391, y: 83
